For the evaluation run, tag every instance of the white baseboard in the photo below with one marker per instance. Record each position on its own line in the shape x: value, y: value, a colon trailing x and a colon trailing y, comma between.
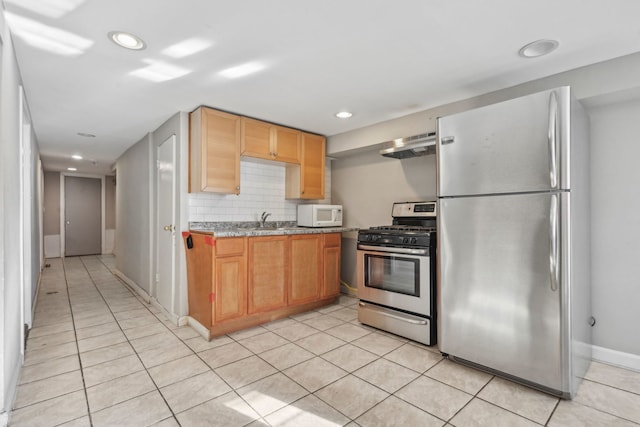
x: 11, y: 389
x: 133, y: 285
x: 616, y: 358
x: 52, y: 246
x: 202, y: 330
x: 173, y: 318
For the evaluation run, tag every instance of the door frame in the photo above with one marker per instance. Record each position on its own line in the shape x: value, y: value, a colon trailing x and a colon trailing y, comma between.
x: 153, y: 291
x: 63, y: 211
x: 25, y: 221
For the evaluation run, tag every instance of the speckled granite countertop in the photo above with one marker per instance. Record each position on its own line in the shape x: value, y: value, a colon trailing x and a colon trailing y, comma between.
x: 273, y: 228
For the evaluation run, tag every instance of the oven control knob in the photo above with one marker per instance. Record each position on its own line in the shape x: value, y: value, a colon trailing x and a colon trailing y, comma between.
x: 414, y: 240
x: 405, y: 240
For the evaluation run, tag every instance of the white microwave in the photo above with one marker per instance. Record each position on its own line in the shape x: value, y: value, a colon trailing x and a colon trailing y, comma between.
x: 320, y: 215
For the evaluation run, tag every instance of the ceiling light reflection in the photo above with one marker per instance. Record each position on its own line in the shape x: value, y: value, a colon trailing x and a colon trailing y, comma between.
x: 187, y: 47
x: 242, y: 70
x: 50, y: 8
x: 47, y: 38
x: 159, y: 71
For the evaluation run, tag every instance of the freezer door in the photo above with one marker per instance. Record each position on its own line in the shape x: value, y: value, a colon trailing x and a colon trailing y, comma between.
x: 501, y: 288
x: 510, y: 147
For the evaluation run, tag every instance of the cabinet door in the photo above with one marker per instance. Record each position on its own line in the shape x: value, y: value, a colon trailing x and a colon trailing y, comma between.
x: 306, y: 180
x: 256, y: 139
x: 313, y: 163
x: 229, y: 293
x: 331, y: 273
x: 306, y: 268
x: 215, y: 151
x: 286, y: 144
x: 268, y: 260
x: 230, y: 288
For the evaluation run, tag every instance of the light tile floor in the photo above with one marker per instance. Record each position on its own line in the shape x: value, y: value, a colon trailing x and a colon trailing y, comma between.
x: 99, y: 356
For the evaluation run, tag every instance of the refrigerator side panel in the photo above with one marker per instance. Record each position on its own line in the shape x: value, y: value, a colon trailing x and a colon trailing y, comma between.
x: 579, y: 255
x: 499, y: 307
x: 501, y: 148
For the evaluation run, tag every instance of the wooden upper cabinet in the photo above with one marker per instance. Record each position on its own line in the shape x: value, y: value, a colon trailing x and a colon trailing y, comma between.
x: 270, y: 142
x: 214, y: 146
x: 306, y: 181
x: 256, y: 139
x: 286, y: 144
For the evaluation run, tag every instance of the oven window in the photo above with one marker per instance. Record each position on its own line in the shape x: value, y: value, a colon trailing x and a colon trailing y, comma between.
x: 392, y: 273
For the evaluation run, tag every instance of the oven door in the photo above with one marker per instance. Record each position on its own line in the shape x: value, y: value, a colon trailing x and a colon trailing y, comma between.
x: 390, y: 277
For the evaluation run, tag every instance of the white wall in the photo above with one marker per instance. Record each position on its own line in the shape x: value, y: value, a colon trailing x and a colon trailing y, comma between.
x: 133, y: 198
x: 136, y: 195
x: 177, y: 125
x: 367, y: 184
x: 10, y: 197
x: 615, y: 229
x: 262, y: 186
x: 615, y: 133
x: 619, y: 75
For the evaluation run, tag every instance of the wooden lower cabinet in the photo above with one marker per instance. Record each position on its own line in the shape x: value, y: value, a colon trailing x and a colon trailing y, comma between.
x: 230, y: 290
x: 305, y: 273
x: 331, y: 264
x: 268, y: 259
x: 239, y: 282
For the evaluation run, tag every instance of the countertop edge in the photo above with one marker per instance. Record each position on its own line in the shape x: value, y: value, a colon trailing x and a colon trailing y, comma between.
x: 270, y: 232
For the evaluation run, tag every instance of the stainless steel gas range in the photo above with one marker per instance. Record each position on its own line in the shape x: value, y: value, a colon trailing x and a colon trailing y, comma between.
x: 396, y: 273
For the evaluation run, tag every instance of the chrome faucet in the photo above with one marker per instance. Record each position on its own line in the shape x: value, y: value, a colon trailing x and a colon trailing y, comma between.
x: 263, y: 218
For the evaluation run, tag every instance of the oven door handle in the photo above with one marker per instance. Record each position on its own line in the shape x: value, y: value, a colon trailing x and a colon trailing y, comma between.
x: 394, y: 316
x: 393, y: 250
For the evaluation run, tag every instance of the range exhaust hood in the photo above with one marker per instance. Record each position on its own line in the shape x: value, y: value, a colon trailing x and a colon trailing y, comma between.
x: 412, y: 146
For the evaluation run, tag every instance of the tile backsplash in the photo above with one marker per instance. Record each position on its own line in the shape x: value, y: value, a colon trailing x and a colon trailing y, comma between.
x: 262, y: 188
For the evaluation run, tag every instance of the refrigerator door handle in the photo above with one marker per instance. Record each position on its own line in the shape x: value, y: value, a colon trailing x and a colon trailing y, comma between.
x: 552, y: 137
x: 553, y: 243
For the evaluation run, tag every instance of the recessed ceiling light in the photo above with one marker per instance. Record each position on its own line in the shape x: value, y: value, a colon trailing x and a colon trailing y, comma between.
x: 77, y: 157
x: 126, y: 40
x: 72, y: 169
x: 344, y: 115
x: 538, y: 48
x: 86, y: 135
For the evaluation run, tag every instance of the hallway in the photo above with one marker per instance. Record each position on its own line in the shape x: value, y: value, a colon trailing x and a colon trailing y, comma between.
x: 98, y: 356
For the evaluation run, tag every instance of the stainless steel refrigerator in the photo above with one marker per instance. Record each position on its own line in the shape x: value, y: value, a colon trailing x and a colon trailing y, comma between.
x: 513, y: 239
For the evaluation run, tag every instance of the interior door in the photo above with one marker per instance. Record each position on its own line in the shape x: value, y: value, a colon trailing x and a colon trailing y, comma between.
x: 165, y: 223
x: 83, y: 216
x: 499, y: 306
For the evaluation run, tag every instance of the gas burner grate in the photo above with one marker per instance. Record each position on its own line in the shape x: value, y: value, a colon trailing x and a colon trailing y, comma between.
x: 403, y: 228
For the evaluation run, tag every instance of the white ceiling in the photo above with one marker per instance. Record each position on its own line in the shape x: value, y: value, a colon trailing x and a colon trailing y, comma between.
x: 380, y: 59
